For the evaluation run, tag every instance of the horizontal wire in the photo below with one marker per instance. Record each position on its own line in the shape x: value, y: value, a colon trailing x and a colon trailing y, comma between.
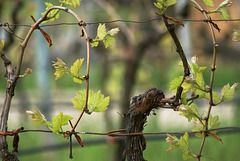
x: 115, y: 21
x: 6, y: 24
x: 132, y: 134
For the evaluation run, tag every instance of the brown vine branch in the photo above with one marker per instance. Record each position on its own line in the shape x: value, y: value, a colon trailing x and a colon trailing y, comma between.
x: 211, y: 103
x: 13, y: 77
x: 170, y: 28
x: 10, y: 75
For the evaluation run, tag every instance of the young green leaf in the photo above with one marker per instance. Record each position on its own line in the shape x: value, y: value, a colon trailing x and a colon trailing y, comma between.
x: 168, y: 3
x: 214, y: 123
x: 74, y: 71
x: 59, y: 121
x: 52, y: 14
x: 99, y: 102
x: 227, y: 92
x: 224, y: 13
x: 223, y: 10
x: 2, y: 45
x: 209, y: 3
x: 236, y: 35
x: 198, y: 127
x: 73, y: 3
x: 106, y: 37
x: 60, y: 67
x: 101, y: 31
x: 214, y: 96
x: 175, y: 83
x: 79, y: 100
x: 38, y: 118
x: 113, y: 31
x: 159, y: 5
x: 188, y: 84
x: 164, y: 4
x: 182, y: 144
x: 184, y: 99
x: 197, y: 74
x: 96, y: 101
x: 173, y: 141
x: 94, y: 43
x: 190, y: 112
x: 78, y: 79
x: 108, y: 41
x: 226, y: 3
x: 76, y: 66
x: 189, y: 155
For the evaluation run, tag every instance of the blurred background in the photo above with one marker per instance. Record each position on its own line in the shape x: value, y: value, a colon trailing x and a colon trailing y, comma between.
x: 143, y: 56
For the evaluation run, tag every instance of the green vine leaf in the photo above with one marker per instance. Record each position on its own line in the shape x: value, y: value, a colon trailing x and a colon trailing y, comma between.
x: 197, y: 74
x: 184, y: 99
x: 209, y: 3
x: 60, y: 67
x: 94, y: 43
x: 108, y: 41
x: 96, y: 101
x: 227, y: 92
x: 198, y: 126
x: 222, y: 9
x: 175, y: 83
x: 190, y: 112
x: 53, y: 14
x: 173, y: 141
x: 188, y: 84
x: 73, y: 3
x: 38, y: 118
x: 113, y: 31
x: 226, y: 3
x: 206, y: 95
x: 224, y: 13
x: 214, y: 123
x: 103, y: 35
x: 101, y: 31
x: 74, y: 71
x: 182, y: 144
x: 236, y: 35
x: 194, y: 82
x: 58, y: 121
x: 2, y: 45
x: 164, y: 4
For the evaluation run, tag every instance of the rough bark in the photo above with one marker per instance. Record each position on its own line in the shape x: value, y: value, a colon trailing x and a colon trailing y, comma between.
x: 6, y: 155
x: 136, y: 117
